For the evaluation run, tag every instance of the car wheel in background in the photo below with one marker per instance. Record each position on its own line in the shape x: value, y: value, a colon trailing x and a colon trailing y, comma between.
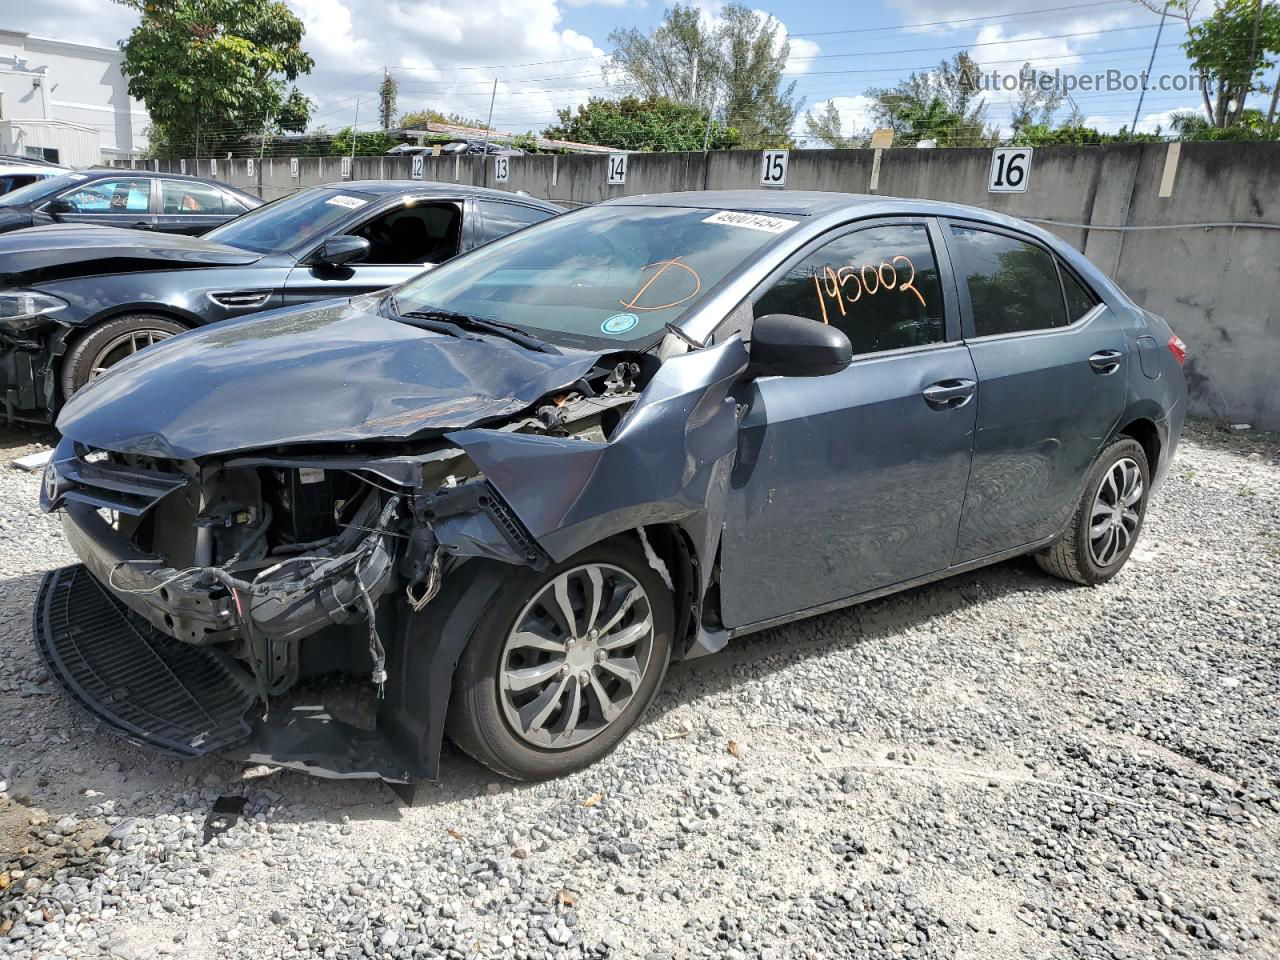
x: 562, y: 666
x: 1107, y: 520
x: 107, y: 344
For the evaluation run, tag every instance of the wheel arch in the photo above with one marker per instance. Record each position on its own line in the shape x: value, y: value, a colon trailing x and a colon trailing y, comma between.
x: 1146, y: 432
x: 66, y: 337
x: 673, y: 548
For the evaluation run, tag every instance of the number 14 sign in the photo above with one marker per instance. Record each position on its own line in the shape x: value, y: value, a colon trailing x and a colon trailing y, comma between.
x: 1010, y: 170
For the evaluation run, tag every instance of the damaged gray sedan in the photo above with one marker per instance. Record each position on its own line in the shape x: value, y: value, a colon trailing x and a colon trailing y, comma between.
x: 494, y: 503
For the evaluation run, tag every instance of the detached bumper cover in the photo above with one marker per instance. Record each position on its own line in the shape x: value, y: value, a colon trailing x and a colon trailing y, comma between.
x: 132, y: 677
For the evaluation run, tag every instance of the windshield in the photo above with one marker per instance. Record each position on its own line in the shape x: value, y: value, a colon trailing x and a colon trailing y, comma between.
x: 41, y: 189
x: 601, y: 274
x: 290, y: 221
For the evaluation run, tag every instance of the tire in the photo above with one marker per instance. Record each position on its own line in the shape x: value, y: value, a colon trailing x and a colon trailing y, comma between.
x: 1089, y: 559
x: 485, y: 717
x: 109, y: 342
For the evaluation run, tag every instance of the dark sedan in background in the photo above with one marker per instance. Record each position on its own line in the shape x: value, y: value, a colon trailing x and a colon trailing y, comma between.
x: 137, y: 199
x: 75, y: 300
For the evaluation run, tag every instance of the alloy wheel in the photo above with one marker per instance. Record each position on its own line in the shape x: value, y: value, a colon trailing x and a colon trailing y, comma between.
x: 576, y: 657
x: 1116, y: 512
x: 123, y: 346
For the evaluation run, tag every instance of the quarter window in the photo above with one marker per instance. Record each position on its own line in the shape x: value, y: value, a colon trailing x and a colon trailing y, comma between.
x: 879, y: 285
x: 1013, y: 285
x: 1079, y: 300
x: 110, y: 196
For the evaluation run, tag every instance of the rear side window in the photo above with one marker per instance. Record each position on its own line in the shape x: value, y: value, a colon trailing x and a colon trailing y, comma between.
x: 500, y: 218
x: 879, y: 285
x: 192, y: 197
x: 1079, y: 299
x: 1013, y: 285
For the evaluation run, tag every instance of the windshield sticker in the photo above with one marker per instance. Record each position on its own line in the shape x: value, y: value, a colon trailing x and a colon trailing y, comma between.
x: 351, y: 203
x: 677, y: 283
x: 619, y: 323
x: 752, y: 221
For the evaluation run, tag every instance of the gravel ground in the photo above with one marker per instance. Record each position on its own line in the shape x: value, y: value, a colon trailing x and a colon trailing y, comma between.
x: 1000, y: 765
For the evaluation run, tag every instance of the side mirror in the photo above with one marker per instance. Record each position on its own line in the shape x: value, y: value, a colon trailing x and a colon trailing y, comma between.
x: 786, y: 346
x: 57, y: 206
x: 343, y: 249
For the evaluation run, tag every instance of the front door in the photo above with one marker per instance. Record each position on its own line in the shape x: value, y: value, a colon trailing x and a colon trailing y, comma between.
x: 852, y: 482
x: 1051, y: 386
x: 405, y: 240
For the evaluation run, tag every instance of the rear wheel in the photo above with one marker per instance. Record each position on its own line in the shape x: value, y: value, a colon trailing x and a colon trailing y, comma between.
x: 1107, y: 520
x: 561, y: 668
x: 108, y: 343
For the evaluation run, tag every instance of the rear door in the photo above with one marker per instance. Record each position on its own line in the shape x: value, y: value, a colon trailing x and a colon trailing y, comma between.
x: 112, y: 202
x: 405, y: 238
x: 1051, y: 366
x: 192, y: 208
x: 853, y: 482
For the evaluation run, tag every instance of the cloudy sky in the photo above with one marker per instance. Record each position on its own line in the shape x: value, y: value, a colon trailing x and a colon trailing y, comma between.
x: 547, y: 54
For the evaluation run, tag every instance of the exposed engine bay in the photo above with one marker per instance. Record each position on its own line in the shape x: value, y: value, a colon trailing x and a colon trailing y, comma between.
x: 290, y: 567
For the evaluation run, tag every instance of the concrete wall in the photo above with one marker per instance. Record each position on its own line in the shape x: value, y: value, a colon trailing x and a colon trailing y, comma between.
x: 1219, y: 287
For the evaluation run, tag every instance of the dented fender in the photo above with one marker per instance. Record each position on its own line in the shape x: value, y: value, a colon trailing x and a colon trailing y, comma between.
x: 667, y: 462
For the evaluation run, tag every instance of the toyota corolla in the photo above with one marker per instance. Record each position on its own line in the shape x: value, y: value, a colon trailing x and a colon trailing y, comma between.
x: 496, y: 501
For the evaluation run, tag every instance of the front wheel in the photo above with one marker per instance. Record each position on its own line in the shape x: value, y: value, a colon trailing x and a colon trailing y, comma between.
x: 108, y: 343
x: 562, y: 666
x: 1107, y: 520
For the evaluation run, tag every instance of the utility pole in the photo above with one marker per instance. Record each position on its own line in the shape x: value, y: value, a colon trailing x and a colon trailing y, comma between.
x: 693, y: 82
x: 488, y: 127
x: 1133, y: 128
x: 354, y: 124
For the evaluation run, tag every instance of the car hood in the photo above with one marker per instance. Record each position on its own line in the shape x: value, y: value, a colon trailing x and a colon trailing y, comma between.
x: 332, y: 372
x: 65, y: 250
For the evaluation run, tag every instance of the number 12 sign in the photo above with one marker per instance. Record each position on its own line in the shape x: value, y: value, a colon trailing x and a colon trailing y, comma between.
x: 1010, y: 170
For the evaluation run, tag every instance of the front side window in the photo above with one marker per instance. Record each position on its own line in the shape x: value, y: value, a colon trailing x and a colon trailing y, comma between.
x: 192, y: 197
x: 879, y: 285
x: 501, y: 218
x: 414, y: 233
x: 603, y: 275
x: 1013, y: 285
x: 289, y: 222
x: 109, y: 196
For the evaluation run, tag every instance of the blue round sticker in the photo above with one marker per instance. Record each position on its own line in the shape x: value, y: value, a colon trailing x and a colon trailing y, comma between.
x: 619, y: 323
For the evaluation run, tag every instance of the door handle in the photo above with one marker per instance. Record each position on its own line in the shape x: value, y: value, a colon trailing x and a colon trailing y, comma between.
x: 1105, y: 361
x: 949, y: 394
x: 142, y: 225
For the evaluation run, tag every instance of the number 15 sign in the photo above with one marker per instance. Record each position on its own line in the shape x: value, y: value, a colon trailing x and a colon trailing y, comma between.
x: 1010, y: 170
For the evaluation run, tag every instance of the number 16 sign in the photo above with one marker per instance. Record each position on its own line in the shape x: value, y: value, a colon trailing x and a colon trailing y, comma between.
x: 1010, y: 170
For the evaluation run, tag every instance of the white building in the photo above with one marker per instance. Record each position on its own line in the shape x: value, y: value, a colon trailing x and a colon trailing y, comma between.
x: 66, y: 102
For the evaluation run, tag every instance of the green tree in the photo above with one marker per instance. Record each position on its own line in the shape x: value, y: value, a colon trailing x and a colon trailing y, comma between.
x: 1037, y: 101
x: 420, y: 118
x: 387, y: 91
x: 828, y: 127
x: 212, y: 72
x: 372, y: 144
x: 943, y: 104
x: 733, y: 69
x: 654, y: 123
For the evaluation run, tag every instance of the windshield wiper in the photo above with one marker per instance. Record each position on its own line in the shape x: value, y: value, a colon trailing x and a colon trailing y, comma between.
x: 463, y: 320
x: 434, y: 323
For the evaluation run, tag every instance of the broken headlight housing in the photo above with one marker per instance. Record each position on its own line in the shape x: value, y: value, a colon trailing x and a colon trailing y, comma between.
x: 23, y: 310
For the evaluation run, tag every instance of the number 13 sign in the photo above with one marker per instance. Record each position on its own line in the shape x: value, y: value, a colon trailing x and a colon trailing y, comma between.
x: 1010, y: 170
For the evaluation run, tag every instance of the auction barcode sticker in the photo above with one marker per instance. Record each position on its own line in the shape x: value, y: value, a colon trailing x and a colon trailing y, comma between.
x: 342, y: 200
x: 752, y: 221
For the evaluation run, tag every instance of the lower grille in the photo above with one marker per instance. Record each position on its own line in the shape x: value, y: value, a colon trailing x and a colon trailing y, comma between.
x: 132, y: 677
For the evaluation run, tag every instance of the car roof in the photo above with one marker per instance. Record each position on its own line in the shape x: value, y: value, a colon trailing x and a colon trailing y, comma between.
x: 97, y: 173
x: 461, y: 190
x: 814, y: 203
x: 9, y: 168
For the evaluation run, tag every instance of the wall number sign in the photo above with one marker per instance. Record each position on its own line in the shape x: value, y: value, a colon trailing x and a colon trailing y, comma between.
x: 248, y: 166
x: 213, y: 167
x: 346, y: 168
x: 182, y: 166
x: 501, y: 169
x: 415, y: 167
x: 1010, y: 170
x: 617, y: 169
x: 293, y: 167
x: 773, y: 172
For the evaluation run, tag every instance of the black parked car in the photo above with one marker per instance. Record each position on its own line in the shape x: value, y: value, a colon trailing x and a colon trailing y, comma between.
x: 500, y: 498
x: 137, y: 199
x: 76, y: 300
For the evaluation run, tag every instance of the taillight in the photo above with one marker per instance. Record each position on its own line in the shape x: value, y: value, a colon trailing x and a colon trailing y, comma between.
x: 1178, y: 349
